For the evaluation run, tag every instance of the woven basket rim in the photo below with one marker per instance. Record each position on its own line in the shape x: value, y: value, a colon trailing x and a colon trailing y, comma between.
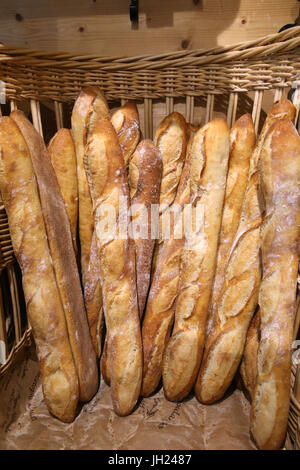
x: 284, y: 41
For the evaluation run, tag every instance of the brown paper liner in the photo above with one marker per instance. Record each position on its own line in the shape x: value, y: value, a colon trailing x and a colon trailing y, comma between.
x: 25, y: 422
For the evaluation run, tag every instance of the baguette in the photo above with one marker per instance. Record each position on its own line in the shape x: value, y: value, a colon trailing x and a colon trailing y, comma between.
x: 89, y: 107
x: 43, y: 303
x: 127, y: 126
x: 151, y: 379
x: 145, y: 169
x: 160, y: 305
x: 63, y: 257
x: 108, y: 183
x: 280, y: 187
x: 126, y: 123
x: 248, y: 366
x: 209, y: 162
x: 63, y: 158
x: 171, y: 139
x: 238, y: 296
x: 242, y: 141
x: 93, y: 298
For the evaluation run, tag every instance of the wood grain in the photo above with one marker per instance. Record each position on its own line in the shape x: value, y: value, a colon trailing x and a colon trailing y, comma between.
x: 104, y: 28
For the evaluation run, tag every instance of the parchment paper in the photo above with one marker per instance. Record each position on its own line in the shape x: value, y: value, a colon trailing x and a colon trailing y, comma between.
x: 25, y: 422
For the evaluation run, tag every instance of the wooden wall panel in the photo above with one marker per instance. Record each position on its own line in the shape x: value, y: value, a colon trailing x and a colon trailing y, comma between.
x: 103, y: 27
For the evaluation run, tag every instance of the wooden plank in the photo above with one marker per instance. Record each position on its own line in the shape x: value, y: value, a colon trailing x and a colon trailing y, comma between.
x: 103, y: 27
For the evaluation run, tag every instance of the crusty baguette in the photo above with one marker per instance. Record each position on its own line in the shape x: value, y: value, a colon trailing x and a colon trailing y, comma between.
x: 108, y: 183
x: 43, y: 303
x: 63, y: 158
x: 280, y: 186
x: 144, y: 174
x: 63, y: 257
x: 182, y: 356
x: 89, y: 107
x: 127, y: 126
x: 160, y: 307
x: 237, y: 299
x: 145, y: 169
x: 248, y: 366
x: 280, y: 110
x: 93, y: 298
x: 171, y: 139
x: 242, y: 141
x: 154, y: 358
x: 126, y: 123
x: 217, y: 372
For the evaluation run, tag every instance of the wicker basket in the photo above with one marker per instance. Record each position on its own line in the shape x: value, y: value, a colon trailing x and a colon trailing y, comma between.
x: 228, y: 82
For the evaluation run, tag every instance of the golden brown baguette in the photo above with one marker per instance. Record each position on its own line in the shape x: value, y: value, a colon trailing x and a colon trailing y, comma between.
x: 160, y: 305
x: 248, y: 366
x: 242, y: 141
x: 144, y: 174
x: 108, y: 183
x: 63, y: 158
x: 104, y: 366
x: 145, y: 169
x: 237, y: 300
x: 93, y: 298
x: 63, y: 257
x: 126, y: 123
x: 153, y: 362
x: 171, y: 139
x: 43, y: 303
x: 280, y: 186
x: 89, y: 107
x: 209, y: 162
x: 127, y: 126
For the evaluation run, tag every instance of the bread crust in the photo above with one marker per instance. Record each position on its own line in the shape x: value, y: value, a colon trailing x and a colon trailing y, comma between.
x: 237, y: 299
x: 93, y: 298
x: 209, y: 162
x: 242, y: 141
x: 89, y: 107
x: 145, y: 170
x: 127, y: 126
x: 280, y: 186
x: 248, y: 366
x: 108, y: 182
x: 153, y: 363
x: 63, y: 257
x: 43, y: 303
x: 144, y: 175
x: 160, y: 307
x: 171, y: 139
x: 63, y: 158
